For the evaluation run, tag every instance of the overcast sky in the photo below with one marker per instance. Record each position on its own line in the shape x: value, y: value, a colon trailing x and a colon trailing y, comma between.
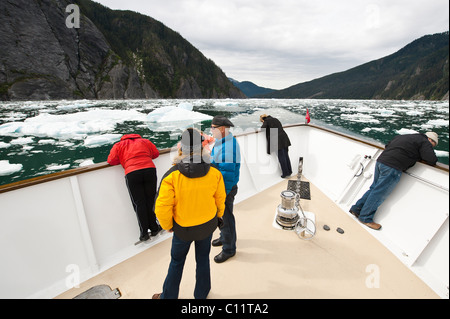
x: 279, y: 43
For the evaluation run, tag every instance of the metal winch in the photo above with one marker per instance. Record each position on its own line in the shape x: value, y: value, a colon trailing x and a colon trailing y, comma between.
x: 288, y: 216
x: 287, y: 212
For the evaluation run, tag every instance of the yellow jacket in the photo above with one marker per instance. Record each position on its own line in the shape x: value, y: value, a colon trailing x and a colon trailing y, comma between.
x: 190, y: 194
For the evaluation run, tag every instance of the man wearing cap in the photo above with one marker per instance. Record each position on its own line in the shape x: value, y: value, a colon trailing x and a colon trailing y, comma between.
x: 400, y: 153
x: 226, y: 157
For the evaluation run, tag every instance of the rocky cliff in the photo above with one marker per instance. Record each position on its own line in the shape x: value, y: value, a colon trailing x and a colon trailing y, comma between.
x: 44, y: 57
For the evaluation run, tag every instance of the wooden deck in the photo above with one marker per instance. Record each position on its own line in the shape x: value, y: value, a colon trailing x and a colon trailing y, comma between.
x: 271, y: 263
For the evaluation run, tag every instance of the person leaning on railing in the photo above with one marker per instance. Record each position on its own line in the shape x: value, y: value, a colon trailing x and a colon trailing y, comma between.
x: 400, y: 153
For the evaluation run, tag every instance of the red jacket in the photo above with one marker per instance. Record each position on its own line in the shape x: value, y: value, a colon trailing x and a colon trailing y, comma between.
x: 133, y: 152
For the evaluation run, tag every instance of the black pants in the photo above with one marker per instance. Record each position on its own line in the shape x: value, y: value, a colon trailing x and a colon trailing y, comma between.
x: 142, y: 188
x: 228, y: 235
x: 285, y: 162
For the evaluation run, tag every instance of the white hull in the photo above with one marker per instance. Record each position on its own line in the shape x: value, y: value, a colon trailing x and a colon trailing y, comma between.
x: 57, y: 233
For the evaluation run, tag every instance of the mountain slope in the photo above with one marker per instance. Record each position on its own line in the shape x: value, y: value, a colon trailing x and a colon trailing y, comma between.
x: 420, y: 70
x: 250, y: 89
x: 113, y: 55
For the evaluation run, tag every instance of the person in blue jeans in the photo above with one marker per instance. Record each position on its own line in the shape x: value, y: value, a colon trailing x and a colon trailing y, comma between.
x: 226, y: 157
x: 400, y: 153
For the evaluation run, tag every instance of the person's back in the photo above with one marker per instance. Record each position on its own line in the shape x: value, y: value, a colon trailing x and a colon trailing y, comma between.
x: 282, y: 140
x: 133, y: 152
x: 400, y: 153
x: 403, y: 151
x: 190, y: 201
x: 189, y: 195
x: 277, y: 141
x: 136, y: 156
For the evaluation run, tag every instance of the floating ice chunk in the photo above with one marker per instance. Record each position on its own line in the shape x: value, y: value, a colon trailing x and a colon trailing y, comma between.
x: 156, y: 115
x: 169, y: 118
x: 181, y: 115
x: 358, y: 117
x: 100, y: 140
x: 86, y: 162
x: 72, y: 105
x: 385, y: 112
x: 74, y: 125
x: 414, y: 113
x: 378, y: 129
x: 10, y: 128
x: 7, y: 169
x: 438, y: 122
x: 225, y: 103
x: 441, y: 153
x: 404, y: 131
x: 4, y: 145
x: 48, y: 141
x: 56, y: 167
x: 186, y: 106
x: 229, y: 106
x: 22, y: 141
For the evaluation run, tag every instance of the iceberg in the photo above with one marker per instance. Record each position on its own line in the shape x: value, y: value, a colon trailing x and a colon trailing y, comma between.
x: 404, y: 131
x: 86, y: 162
x: 361, y: 118
x: 169, y: 118
x: 441, y: 153
x: 4, y: 145
x: 71, y: 126
x: 22, y: 141
x: 56, y: 167
x: 7, y: 169
x: 100, y: 140
x: 225, y: 103
x: 438, y: 122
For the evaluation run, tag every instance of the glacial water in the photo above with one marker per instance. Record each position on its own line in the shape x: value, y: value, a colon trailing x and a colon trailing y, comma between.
x: 43, y: 137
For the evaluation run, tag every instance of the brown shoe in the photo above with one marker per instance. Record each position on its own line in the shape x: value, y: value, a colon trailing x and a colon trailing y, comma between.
x: 157, y: 296
x: 373, y: 225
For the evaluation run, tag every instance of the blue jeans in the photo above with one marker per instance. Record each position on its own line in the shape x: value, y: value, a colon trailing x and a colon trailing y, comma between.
x: 228, y: 235
x: 180, y: 249
x: 384, y: 181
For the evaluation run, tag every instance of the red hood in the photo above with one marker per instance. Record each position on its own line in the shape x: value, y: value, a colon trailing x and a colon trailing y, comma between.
x: 130, y: 136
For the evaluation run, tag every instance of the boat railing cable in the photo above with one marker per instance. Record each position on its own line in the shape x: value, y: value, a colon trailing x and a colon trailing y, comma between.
x: 427, y: 181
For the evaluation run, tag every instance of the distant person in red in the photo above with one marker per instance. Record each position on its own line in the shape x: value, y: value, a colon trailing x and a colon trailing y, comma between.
x: 136, y: 155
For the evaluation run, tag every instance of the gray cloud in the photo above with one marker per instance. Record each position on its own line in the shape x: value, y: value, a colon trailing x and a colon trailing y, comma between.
x: 280, y: 43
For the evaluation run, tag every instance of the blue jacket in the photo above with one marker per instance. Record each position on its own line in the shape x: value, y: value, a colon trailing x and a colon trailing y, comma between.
x: 226, y: 157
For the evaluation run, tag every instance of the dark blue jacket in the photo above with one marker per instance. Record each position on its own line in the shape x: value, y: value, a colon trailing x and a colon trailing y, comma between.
x: 226, y: 157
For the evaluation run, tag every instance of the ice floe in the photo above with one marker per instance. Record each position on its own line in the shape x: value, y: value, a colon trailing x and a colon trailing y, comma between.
x: 378, y: 129
x: 438, y: 122
x: 85, y: 162
x: 7, y: 169
x: 4, y: 145
x: 71, y: 126
x: 22, y: 141
x: 168, y: 118
x: 99, y: 140
x: 404, y: 131
x: 362, y: 118
x: 57, y: 167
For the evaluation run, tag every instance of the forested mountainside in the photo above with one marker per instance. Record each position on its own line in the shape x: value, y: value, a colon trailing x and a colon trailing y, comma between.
x: 419, y: 71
